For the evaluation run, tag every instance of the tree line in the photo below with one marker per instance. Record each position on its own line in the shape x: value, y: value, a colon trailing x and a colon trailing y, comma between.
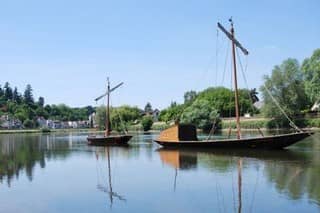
x: 292, y: 86
x: 23, y: 106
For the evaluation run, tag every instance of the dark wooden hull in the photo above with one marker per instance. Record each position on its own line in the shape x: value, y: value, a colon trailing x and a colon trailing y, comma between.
x: 114, y: 140
x: 268, y: 142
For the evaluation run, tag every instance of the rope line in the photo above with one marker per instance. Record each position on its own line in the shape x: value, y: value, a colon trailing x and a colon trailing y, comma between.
x: 291, y: 123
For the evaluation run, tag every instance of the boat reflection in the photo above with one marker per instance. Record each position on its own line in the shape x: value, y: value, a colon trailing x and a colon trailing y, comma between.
x: 288, y: 171
x: 102, y: 186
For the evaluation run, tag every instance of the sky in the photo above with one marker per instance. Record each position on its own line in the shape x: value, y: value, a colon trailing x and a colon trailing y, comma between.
x: 159, y: 49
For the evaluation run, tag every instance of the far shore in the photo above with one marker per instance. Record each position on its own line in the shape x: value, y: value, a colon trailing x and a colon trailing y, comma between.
x: 94, y: 131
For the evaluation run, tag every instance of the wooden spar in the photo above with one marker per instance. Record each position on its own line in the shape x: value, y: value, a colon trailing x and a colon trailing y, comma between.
x: 235, y: 43
x: 236, y: 95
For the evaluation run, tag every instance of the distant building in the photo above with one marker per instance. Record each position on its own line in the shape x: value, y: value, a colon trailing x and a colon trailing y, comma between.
x: 42, y: 122
x: 7, y: 122
x: 154, y: 114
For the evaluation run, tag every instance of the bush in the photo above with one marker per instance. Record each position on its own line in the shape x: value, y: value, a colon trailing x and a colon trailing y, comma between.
x: 45, y: 130
x: 28, y: 123
x: 202, y: 115
x: 146, y: 123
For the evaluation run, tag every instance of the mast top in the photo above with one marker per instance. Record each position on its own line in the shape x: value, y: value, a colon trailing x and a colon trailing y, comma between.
x: 232, y: 38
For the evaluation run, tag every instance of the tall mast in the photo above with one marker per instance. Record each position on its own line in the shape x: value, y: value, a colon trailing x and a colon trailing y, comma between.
x: 236, y: 95
x: 107, y: 133
x: 235, y: 43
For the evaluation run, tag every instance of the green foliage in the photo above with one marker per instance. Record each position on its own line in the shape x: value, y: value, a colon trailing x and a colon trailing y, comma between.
x: 172, y: 113
x: 101, y: 117
x: 313, y: 122
x: 28, y: 124
x: 24, y: 108
x: 286, y: 86
x: 123, y: 116
x: 223, y: 100
x: 120, y: 117
x: 16, y: 96
x: 41, y: 102
x: 45, y: 130
x: 311, y: 70
x: 189, y: 96
x: 146, y: 123
x: 202, y: 114
x: 28, y: 96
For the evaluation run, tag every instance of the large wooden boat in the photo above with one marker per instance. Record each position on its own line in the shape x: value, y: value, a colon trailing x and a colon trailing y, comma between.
x: 108, y: 139
x: 185, y: 136
x: 180, y: 137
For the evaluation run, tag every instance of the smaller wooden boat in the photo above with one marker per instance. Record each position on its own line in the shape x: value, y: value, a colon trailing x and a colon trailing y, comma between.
x: 108, y: 139
x: 112, y: 140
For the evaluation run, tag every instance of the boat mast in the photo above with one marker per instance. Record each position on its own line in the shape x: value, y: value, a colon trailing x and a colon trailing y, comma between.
x: 235, y: 43
x: 236, y: 94
x: 107, y: 132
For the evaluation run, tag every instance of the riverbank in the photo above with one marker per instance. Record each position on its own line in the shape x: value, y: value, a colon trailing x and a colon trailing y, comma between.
x: 226, y: 124
x: 15, y: 131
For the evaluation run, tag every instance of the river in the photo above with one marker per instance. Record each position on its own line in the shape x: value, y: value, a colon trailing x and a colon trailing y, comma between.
x: 58, y: 172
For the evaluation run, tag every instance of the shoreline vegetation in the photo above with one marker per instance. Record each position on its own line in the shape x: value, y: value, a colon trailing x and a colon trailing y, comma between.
x: 290, y: 96
x: 249, y: 124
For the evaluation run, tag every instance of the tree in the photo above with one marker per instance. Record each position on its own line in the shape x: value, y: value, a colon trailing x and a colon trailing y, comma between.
x: 16, y: 96
x: 28, y: 123
x: 1, y: 91
x: 146, y: 123
x: 189, y: 96
x: 28, y: 96
x: 311, y: 71
x: 41, y: 102
x: 148, y: 108
x: 202, y: 114
x: 8, y: 94
x: 172, y: 113
x: 286, y: 86
x: 101, y: 117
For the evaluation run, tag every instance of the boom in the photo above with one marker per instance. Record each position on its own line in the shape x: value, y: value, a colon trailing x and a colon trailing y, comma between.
x: 236, y: 42
x: 108, y: 92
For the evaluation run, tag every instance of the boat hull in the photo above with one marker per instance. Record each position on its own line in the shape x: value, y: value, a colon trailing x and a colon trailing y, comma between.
x: 117, y: 140
x: 268, y: 142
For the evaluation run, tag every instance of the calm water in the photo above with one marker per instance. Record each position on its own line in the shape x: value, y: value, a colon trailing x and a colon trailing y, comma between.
x: 60, y: 173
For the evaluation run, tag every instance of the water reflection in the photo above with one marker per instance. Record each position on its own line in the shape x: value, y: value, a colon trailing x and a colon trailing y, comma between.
x: 22, y: 153
x: 292, y: 173
x: 125, y: 179
x: 101, y: 185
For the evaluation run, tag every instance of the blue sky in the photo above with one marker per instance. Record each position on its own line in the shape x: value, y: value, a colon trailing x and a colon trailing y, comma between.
x: 160, y: 49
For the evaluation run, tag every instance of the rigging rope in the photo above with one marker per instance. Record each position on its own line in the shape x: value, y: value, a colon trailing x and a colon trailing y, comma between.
x: 291, y: 123
x: 225, y: 64
x: 243, y: 71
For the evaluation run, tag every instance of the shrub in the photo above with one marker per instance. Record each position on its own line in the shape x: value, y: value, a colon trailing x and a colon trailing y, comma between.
x: 146, y: 123
x: 28, y: 123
